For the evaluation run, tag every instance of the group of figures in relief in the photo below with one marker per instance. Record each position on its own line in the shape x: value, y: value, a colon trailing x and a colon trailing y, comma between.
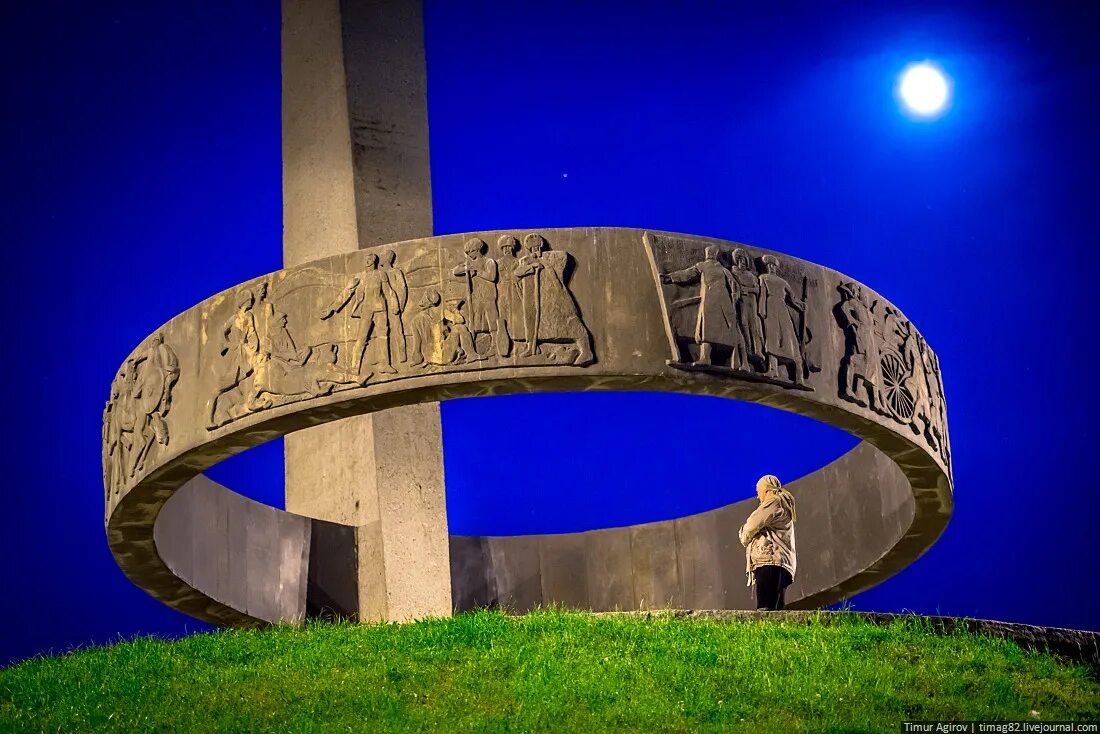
x: 749, y: 323
x: 135, y: 417
x: 888, y: 367
x: 515, y: 309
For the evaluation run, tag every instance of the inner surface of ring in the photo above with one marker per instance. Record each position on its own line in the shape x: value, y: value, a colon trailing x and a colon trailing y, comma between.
x: 583, y: 309
x: 274, y: 565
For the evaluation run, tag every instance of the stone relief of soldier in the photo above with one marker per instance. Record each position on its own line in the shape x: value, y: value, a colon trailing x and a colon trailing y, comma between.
x: 748, y: 324
x: 135, y: 417
x: 550, y: 315
x: 369, y: 298
x: 716, y: 322
x: 440, y: 335
x: 481, y: 276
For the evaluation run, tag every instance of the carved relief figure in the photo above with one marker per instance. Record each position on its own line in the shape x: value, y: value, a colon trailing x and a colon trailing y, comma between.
x: 932, y: 411
x: 935, y: 378
x: 748, y: 316
x: 263, y: 365
x: 114, y: 416
x: 439, y: 334
x: 777, y: 307
x: 153, y: 374
x: 888, y: 368
x: 286, y: 372
x: 400, y: 285
x: 370, y: 298
x: 509, y: 295
x: 716, y: 323
x: 860, y: 365
x: 112, y: 453
x: 240, y: 354
x: 480, y: 275
x: 156, y: 373
x: 135, y: 417
x: 263, y: 310
x: 751, y: 326
x: 905, y: 397
x: 549, y: 312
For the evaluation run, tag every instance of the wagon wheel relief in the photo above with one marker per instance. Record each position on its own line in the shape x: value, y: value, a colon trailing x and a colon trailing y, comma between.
x: 899, y: 399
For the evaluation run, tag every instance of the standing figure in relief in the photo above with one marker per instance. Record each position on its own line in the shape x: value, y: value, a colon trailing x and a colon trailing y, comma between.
x: 716, y: 323
x: 748, y: 317
x: 860, y: 364
x: 781, y: 342
x: 369, y: 298
x: 153, y: 374
x: 509, y: 295
x: 263, y: 311
x: 479, y: 272
x: 932, y: 409
x: 400, y: 285
x: 549, y: 312
x: 165, y: 369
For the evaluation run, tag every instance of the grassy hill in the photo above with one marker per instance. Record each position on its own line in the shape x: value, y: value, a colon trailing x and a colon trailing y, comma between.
x: 550, y: 670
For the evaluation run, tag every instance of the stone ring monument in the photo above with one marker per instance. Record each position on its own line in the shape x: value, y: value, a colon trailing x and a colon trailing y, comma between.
x: 492, y: 313
x: 348, y: 348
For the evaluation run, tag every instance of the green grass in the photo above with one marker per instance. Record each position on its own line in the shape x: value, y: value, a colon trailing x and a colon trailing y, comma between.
x: 552, y: 670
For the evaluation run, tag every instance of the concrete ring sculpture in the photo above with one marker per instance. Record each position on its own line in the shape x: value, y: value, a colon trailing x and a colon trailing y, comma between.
x: 520, y: 311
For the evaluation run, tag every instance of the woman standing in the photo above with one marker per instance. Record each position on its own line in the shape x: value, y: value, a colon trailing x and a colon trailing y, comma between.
x: 768, y: 537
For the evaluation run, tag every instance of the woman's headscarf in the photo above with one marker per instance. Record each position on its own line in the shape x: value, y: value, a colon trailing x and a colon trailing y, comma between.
x: 768, y: 487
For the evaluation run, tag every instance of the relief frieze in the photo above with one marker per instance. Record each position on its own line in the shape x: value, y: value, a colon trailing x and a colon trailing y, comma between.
x: 731, y: 314
x: 310, y: 332
x: 888, y: 367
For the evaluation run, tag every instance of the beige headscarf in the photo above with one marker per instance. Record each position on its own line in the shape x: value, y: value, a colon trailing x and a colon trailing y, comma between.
x: 768, y: 487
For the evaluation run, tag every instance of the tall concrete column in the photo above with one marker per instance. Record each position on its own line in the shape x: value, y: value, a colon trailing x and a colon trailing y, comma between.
x: 356, y: 174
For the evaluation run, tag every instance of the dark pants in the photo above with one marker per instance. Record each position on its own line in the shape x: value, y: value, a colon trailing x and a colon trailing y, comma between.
x: 771, y: 582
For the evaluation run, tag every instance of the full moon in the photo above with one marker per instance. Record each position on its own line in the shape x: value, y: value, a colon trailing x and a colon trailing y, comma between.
x: 924, y: 89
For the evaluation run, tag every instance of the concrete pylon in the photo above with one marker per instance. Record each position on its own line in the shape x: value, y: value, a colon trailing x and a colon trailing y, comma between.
x: 355, y: 175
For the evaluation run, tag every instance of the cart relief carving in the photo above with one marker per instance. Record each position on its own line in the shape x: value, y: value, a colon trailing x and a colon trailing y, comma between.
x: 888, y: 367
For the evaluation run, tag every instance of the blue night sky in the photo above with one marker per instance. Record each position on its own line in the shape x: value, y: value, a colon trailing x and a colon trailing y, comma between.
x: 142, y: 174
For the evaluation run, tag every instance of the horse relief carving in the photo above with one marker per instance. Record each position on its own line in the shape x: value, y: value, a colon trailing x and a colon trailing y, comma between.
x: 262, y: 366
